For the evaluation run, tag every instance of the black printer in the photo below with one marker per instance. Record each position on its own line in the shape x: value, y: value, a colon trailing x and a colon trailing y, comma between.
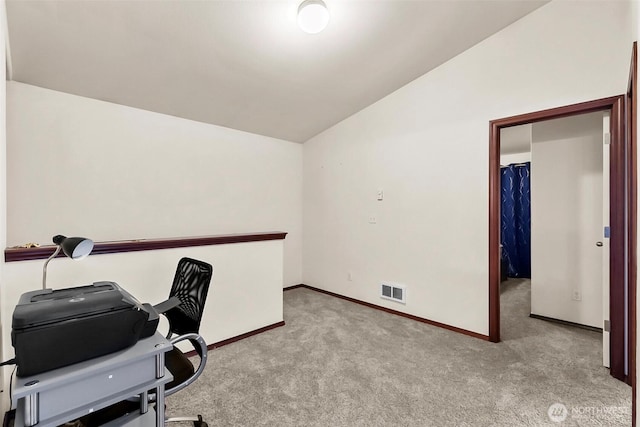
x: 56, y: 328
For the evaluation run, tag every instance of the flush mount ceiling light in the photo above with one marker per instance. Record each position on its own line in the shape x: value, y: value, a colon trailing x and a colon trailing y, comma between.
x: 313, y: 16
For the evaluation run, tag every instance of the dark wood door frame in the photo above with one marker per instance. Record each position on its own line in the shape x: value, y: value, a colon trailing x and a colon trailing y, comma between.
x: 619, y: 185
x: 632, y: 165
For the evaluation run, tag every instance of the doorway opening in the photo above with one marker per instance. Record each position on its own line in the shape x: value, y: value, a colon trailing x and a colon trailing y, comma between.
x: 621, y: 279
x: 554, y: 207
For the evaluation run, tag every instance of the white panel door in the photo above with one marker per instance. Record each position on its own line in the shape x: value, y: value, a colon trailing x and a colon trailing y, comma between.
x: 566, y: 219
x: 605, y: 241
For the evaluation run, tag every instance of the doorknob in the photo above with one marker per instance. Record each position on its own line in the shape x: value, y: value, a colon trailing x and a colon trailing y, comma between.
x: 598, y: 243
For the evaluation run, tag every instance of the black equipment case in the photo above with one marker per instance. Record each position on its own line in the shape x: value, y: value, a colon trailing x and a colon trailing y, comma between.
x: 56, y: 328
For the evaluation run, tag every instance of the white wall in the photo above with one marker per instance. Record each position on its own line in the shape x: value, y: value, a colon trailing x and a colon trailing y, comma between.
x: 566, y: 219
x: 245, y: 293
x: 432, y: 228
x: 515, y: 144
x: 79, y: 166
x: 507, y: 159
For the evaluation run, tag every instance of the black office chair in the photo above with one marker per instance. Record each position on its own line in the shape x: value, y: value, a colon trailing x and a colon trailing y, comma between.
x: 190, y: 287
x: 184, y: 310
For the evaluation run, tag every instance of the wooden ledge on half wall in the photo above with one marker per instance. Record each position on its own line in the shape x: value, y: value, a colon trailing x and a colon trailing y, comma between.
x: 118, y: 246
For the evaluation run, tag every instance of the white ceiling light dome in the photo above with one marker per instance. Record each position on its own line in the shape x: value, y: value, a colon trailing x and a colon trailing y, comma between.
x: 313, y: 16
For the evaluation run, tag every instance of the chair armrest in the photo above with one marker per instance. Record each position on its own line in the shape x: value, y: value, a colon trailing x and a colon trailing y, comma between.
x: 167, y: 305
x: 200, y: 346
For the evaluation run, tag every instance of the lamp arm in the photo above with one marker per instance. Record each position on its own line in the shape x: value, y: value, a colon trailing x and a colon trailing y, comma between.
x: 44, y: 268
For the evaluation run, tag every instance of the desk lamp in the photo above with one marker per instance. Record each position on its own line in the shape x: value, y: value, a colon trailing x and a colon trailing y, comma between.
x: 73, y: 247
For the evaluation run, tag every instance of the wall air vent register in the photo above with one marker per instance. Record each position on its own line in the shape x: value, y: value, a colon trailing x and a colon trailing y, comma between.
x: 393, y: 292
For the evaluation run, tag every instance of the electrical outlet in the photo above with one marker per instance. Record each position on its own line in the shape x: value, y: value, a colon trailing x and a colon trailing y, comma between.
x: 576, y: 296
x: 372, y: 219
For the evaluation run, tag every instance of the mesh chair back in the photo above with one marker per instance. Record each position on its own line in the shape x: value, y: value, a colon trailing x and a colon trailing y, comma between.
x: 190, y: 286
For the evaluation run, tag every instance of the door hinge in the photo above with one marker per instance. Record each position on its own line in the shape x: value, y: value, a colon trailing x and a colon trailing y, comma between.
x: 607, y: 326
x: 606, y: 138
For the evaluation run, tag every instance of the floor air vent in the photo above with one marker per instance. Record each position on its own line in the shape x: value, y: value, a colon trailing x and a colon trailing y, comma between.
x: 393, y: 292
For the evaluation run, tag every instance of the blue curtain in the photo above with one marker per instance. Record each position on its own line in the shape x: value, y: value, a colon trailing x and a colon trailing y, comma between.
x: 515, y: 233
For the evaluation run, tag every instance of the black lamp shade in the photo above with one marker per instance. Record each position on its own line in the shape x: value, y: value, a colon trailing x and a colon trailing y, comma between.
x: 74, y: 247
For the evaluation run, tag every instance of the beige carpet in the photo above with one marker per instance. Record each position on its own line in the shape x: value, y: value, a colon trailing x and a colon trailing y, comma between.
x: 337, y: 363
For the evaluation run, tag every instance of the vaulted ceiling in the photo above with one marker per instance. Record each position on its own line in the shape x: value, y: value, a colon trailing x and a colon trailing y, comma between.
x: 244, y: 64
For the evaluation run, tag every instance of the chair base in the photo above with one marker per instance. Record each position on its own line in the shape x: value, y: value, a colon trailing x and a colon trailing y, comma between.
x: 197, y: 421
